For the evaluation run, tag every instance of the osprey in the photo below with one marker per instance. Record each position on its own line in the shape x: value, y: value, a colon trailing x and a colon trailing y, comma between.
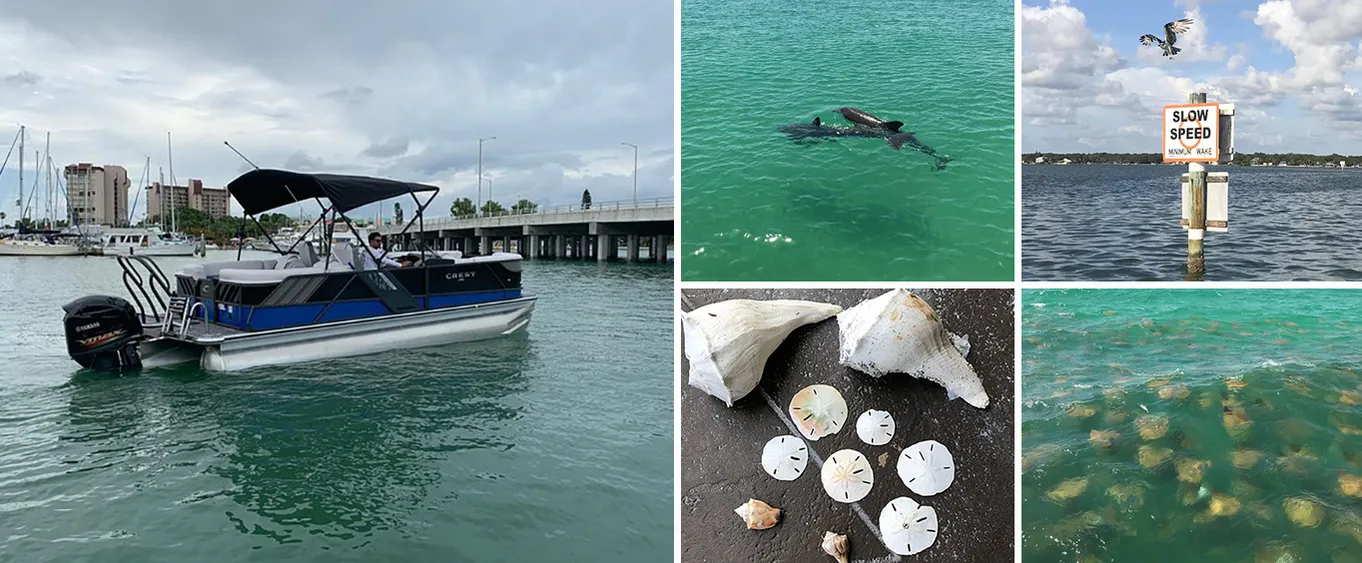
x: 1170, y: 33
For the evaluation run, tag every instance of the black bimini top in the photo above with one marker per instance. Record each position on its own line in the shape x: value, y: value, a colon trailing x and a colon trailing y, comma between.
x: 262, y: 190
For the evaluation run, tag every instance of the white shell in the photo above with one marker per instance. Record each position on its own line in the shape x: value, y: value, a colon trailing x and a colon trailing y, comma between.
x: 847, y: 476
x: 927, y: 467
x: 818, y: 411
x: 785, y: 457
x: 727, y: 343
x: 875, y: 427
x: 907, y: 527
x: 900, y: 333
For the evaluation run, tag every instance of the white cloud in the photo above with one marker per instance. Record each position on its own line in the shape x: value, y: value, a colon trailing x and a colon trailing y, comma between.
x: 403, y: 89
x: 1083, y: 92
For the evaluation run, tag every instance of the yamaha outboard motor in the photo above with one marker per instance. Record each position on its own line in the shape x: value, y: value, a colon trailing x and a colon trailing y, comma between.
x: 102, y: 333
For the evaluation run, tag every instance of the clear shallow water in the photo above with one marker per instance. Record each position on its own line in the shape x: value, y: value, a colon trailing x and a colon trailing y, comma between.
x: 1254, y: 395
x: 756, y: 206
x: 553, y: 444
x: 1109, y: 222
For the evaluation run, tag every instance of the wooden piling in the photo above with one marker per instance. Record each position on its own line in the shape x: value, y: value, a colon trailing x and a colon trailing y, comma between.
x: 1196, y: 223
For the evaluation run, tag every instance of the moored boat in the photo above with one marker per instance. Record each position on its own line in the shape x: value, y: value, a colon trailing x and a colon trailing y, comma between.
x: 150, y: 241
x: 304, y: 305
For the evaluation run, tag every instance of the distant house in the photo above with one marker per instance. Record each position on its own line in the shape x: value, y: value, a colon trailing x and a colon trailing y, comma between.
x: 1066, y: 161
x: 1040, y: 160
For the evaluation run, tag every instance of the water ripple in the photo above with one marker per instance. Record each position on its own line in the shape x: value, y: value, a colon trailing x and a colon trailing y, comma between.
x: 759, y: 207
x: 475, y: 451
x: 1102, y: 222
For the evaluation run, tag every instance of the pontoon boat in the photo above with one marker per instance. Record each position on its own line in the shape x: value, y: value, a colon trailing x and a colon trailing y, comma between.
x: 305, y: 305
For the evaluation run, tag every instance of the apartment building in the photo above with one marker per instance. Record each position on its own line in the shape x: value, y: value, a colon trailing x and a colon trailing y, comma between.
x: 97, y: 194
x: 216, y: 202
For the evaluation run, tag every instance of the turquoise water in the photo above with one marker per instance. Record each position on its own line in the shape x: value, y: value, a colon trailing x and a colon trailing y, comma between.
x: 1198, y: 425
x: 756, y: 206
x: 553, y: 444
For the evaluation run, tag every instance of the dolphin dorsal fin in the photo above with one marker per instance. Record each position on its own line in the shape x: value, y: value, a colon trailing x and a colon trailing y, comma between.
x: 817, y: 122
x: 893, y: 125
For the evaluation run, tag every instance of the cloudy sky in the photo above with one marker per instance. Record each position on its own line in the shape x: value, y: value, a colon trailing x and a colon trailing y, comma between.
x: 1292, y: 67
x: 401, y: 89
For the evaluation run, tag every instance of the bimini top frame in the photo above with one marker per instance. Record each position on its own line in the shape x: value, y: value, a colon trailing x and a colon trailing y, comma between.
x: 264, y: 189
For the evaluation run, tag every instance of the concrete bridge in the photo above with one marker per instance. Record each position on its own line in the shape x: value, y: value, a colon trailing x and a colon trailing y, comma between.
x: 599, y: 232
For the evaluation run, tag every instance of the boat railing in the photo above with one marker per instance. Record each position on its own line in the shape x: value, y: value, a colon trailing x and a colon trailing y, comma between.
x: 150, y: 302
x: 188, y: 317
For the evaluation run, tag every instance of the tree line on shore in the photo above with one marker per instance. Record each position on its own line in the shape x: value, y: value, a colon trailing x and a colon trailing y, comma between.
x: 1240, y: 159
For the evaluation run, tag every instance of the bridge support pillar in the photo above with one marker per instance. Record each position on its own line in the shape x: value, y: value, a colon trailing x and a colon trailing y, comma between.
x: 585, y: 247
x: 633, y: 248
x: 533, y: 250
x: 603, y: 247
x: 661, y: 245
x: 560, y: 246
x: 484, y: 245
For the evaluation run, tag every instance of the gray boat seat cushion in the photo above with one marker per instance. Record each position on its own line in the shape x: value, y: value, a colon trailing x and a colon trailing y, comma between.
x: 210, y: 269
x: 343, y: 252
x: 308, y: 253
x: 269, y: 277
x: 288, y: 261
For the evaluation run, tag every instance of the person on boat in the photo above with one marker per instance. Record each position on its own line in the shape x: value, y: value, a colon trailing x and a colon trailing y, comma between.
x: 376, y: 250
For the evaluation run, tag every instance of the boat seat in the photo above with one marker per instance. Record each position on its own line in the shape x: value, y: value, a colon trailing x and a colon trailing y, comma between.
x: 344, y: 253
x: 307, y: 253
x: 211, y: 269
x: 289, y: 261
x: 270, y: 277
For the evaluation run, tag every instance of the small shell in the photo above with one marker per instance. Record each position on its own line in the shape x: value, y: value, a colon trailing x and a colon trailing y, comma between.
x: 898, y: 332
x: 758, y: 515
x: 875, y: 427
x: 836, y: 546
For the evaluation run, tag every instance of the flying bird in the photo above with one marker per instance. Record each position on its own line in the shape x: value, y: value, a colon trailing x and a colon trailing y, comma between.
x: 1170, y: 33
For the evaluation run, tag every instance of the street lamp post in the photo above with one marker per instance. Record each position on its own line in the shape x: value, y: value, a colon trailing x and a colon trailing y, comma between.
x: 489, y: 196
x: 635, y: 172
x: 478, y: 209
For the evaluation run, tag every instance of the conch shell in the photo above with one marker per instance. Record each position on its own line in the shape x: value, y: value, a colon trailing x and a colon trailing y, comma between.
x: 758, y: 515
x: 836, y: 546
x: 900, y: 333
x: 727, y: 343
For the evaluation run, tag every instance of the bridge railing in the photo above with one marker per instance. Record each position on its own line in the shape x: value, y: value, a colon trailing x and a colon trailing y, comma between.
x: 650, y: 203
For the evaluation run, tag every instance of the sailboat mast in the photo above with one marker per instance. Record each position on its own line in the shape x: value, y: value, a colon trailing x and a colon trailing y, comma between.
x: 162, y: 173
x: 170, y: 160
x: 47, y: 147
x: 21, y: 173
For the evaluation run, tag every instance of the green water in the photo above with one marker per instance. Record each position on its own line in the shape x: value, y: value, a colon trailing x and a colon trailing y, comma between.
x: 554, y: 444
x: 756, y: 206
x: 1252, y: 401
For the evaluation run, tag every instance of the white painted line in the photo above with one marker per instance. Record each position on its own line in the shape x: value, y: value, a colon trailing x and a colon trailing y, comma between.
x: 818, y: 460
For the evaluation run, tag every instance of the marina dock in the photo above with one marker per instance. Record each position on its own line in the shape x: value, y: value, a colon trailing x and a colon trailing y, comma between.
x: 562, y: 232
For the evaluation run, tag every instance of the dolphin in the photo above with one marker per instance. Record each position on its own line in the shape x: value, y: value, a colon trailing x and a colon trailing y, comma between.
x: 860, y: 117
x: 896, y: 138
